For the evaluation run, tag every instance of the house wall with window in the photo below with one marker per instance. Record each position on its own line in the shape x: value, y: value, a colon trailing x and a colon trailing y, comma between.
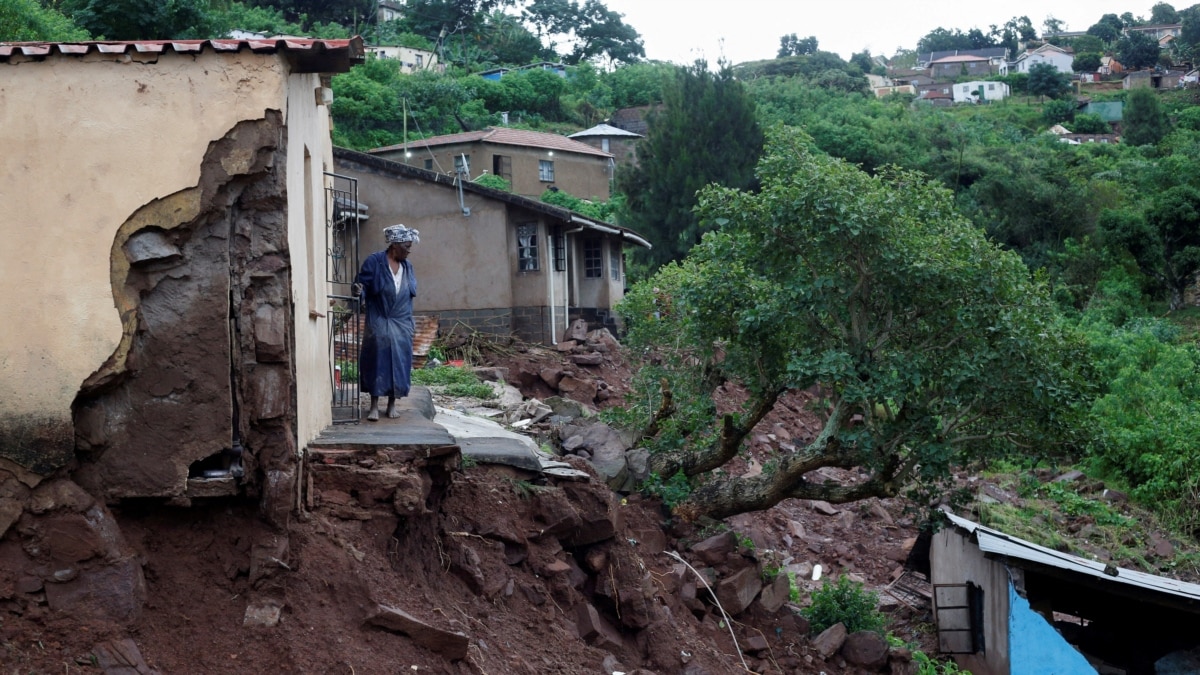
x: 955, y: 66
x: 530, y: 170
x: 954, y: 559
x: 513, y: 265
x: 979, y: 91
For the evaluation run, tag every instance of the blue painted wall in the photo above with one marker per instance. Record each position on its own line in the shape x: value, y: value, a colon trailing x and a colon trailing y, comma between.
x: 1035, y: 648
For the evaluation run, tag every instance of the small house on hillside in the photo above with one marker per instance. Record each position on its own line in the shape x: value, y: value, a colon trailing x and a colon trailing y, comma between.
x: 622, y: 144
x: 1158, y: 31
x: 491, y: 260
x: 1152, y: 78
x: 497, y: 73
x: 979, y: 91
x: 411, y: 59
x: 1061, y: 59
x: 531, y: 161
x: 173, y: 325
x: 1006, y: 606
x: 995, y: 56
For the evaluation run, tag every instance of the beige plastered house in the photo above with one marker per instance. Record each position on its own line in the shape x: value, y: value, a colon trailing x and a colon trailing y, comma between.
x: 493, y: 261
x: 164, y: 263
x: 531, y: 161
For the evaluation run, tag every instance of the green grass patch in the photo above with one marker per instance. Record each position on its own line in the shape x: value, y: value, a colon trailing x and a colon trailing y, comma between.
x: 452, y: 381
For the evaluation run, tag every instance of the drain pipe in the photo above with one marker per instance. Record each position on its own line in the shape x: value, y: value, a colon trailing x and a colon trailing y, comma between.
x: 550, y: 281
x: 570, y: 253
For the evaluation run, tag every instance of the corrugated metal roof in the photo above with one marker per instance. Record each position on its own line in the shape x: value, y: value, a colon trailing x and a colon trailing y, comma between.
x: 1015, y: 548
x: 501, y: 135
x: 330, y: 53
x: 604, y: 130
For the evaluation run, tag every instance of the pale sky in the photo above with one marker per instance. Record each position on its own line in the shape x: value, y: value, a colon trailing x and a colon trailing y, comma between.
x: 749, y: 30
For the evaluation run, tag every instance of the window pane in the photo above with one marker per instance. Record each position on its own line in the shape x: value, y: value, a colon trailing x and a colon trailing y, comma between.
x: 614, y: 260
x: 592, y: 259
x: 527, y: 253
x: 546, y: 170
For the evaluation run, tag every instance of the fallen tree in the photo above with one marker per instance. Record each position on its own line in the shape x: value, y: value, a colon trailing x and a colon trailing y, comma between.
x: 925, y: 343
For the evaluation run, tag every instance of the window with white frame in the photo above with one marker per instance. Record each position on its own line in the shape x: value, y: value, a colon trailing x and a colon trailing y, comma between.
x: 593, y: 259
x: 546, y: 170
x: 614, y: 260
x: 527, y: 247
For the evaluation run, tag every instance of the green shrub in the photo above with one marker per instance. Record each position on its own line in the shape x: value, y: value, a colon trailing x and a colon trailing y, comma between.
x: 672, y: 491
x: 927, y: 665
x: 490, y: 180
x: 844, y: 602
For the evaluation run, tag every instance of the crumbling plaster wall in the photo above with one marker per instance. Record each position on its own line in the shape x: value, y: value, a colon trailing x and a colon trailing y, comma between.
x: 89, y: 141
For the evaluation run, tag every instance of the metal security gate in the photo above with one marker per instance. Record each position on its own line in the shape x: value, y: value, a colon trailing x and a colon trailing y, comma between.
x: 343, y: 216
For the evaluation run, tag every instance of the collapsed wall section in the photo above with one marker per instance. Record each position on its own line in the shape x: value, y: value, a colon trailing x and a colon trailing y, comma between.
x: 203, y: 376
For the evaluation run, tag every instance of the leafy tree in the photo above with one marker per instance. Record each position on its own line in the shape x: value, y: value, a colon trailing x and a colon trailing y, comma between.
x: 1055, y: 112
x: 1148, y: 416
x: 29, y: 21
x: 940, y: 40
x: 639, y: 83
x: 1163, y: 13
x: 144, y: 19
x: 707, y: 133
x: 927, y: 344
x: 1104, y: 31
x: 1164, y: 240
x: 1137, y: 50
x: 1089, y: 123
x: 863, y: 61
x: 1051, y: 26
x: 1087, y: 43
x: 590, y: 28
x: 790, y: 45
x: 1045, y: 80
x: 259, y: 19
x: 506, y: 40
x: 1189, y: 34
x: 1144, y: 122
x: 1086, y: 62
x: 347, y: 13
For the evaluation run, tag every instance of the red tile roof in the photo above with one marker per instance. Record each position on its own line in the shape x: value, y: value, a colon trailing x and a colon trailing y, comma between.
x: 504, y: 136
x: 326, y: 51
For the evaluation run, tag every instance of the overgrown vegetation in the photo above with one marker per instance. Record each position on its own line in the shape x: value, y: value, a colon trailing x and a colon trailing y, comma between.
x: 453, y: 381
x: 844, y: 602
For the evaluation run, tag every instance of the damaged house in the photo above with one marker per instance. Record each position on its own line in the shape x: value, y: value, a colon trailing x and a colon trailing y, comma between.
x: 1006, y: 606
x: 165, y: 267
x: 490, y: 260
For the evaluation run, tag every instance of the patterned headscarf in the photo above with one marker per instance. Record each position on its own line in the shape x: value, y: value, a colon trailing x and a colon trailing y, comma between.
x: 398, y: 234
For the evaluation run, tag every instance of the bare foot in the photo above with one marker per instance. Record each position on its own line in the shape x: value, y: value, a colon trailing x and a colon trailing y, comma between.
x: 373, y: 416
x: 392, y: 412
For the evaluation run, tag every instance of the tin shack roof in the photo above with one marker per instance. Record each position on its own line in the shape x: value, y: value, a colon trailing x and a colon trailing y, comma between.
x: 305, y: 55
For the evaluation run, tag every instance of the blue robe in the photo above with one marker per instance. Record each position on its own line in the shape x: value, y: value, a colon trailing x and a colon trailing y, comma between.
x: 385, y: 360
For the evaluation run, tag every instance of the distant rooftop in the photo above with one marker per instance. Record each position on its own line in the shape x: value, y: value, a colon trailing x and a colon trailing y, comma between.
x: 604, y: 130
x: 504, y: 136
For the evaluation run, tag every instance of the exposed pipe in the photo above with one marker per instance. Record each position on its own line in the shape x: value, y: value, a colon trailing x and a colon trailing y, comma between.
x: 550, y: 281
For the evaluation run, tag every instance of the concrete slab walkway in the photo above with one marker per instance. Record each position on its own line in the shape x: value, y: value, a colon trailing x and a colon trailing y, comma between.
x: 423, y: 428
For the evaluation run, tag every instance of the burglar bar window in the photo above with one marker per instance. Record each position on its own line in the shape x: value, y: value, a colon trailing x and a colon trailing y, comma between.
x: 558, y: 241
x: 614, y: 260
x: 593, y: 263
x: 527, y: 250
